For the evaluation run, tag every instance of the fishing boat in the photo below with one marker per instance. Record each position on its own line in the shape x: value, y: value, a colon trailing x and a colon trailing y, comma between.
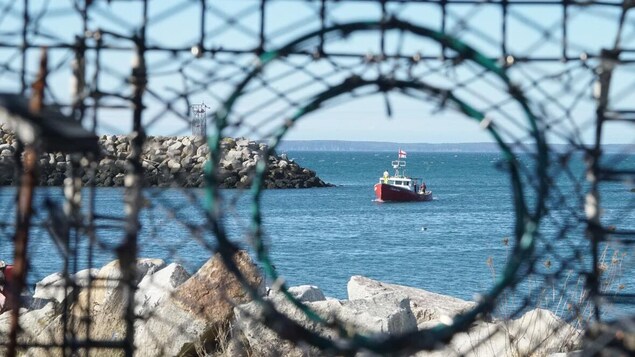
x: 399, y: 187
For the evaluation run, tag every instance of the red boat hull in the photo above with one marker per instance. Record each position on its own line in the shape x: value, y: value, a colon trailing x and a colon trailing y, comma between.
x: 389, y: 193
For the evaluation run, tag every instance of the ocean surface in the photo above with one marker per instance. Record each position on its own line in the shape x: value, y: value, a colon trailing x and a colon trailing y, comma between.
x: 452, y: 245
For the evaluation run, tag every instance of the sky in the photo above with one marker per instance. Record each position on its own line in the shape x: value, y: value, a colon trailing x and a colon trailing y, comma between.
x: 561, y: 93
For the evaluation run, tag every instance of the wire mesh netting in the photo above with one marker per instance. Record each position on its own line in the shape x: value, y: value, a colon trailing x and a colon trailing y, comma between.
x: 549, y: 82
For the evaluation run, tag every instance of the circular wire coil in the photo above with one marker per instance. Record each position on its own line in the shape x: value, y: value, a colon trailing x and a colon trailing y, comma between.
x: 526, y: 220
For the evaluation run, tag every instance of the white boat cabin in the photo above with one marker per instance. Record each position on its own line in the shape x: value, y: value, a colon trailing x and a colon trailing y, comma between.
x: 399, y: 179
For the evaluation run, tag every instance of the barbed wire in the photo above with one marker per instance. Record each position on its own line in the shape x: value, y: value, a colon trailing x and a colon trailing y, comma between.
x: 530, y: 73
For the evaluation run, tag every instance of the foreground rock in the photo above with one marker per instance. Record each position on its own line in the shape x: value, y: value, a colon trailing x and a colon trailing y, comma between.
x: 426, y: 306
x: 380, y: 314
x: 38, y: 328
x: 537, y: 333
x: 176, y: 313
x: 375, y: 307
x: 157, y: 287
x: 197, y: 313
x: 209, y: 313
x: 307, y: 293
x: 168, y: 161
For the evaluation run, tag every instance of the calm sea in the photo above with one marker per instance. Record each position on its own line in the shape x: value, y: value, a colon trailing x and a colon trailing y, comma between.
x: 324, y: 236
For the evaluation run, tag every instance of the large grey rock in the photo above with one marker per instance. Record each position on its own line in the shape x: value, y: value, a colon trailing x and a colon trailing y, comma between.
x: 38, y: 327
x: 188, y: 149
x: 232, y: 165
x: 234, y: 155
x: 82, y: 276
x: 35, y: 321
x: 197, y: 312
x: 107, y: 285
x: 385, y: 313
x: 242, y: 142
x: 202, y: 150
x: 541, y: 332
x: 5, y: 324
x: 154, y: 288
x: 537, y: 333
x: 307, y: 293
x: 425, y: 305
x: 246, y: 153
x: 483, y: 339
x: 174, y: 166
x: 228, y: 143
x: 379, y: 314
x: 105, y: 303
x: 176, y: 146
x: 51, y: 288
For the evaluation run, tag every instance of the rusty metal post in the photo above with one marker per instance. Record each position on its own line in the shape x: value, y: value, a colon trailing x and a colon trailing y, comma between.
x: 25, y: 210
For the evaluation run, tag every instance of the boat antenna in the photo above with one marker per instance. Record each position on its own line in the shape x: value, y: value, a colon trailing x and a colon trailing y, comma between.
x: 400, y: 164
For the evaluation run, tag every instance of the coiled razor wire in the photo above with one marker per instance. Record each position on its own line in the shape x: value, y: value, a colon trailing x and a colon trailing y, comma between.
x: 549, y: 191
x: 526, y: 222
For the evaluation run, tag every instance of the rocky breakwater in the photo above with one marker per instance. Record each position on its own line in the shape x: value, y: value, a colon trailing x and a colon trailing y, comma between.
x: 167, y: 161
x: 208, y: 313
x: 239, y: 158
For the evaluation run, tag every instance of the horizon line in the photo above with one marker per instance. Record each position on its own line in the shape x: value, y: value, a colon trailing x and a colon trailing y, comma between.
x: 430, y: 143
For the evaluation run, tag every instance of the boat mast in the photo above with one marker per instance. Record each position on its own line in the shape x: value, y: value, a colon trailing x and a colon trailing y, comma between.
x: 397, y: 165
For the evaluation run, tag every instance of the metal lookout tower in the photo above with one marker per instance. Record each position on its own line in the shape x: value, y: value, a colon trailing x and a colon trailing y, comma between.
x: 199, y: 119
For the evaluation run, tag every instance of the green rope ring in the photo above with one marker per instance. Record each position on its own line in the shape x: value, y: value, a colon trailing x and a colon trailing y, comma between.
x: 525, y: 227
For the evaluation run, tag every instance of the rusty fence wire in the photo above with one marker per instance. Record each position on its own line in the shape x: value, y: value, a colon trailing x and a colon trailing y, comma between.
x: 91, y: 91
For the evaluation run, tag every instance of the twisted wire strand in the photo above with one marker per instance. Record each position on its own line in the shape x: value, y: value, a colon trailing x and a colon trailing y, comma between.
x: 526, y: 223
x: 533, y: 83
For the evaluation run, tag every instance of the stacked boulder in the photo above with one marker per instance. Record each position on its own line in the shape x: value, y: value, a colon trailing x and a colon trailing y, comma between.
x: 168, y: 162
x: 8, y: 146
x: 175, y: 313
x: 374, y: 307
x: 238, y: 163
x: 209, y: 313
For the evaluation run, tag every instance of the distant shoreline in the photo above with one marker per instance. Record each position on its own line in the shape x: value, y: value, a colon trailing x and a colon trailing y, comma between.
x: 377, y: 146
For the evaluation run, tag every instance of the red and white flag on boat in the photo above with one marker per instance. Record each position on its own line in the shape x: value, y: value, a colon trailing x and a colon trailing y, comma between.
x: 402, y: 154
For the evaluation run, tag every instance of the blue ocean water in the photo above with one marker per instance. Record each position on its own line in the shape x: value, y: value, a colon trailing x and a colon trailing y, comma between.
x: 427, y: 244
x: 324, y: 236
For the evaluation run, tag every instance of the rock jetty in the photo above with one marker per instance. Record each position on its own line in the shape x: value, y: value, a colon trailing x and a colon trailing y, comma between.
x: 208, y: 313
x: 167, y: 162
